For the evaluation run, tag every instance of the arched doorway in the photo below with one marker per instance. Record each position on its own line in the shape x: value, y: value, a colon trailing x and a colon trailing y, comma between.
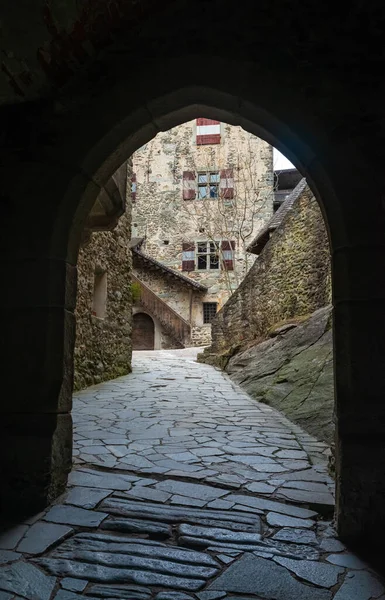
x: 305, y: 102
x: 143, y: 332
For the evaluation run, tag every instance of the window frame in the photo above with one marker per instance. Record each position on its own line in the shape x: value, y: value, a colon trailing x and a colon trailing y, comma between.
x: 208, y: 254
x: 208, y: 184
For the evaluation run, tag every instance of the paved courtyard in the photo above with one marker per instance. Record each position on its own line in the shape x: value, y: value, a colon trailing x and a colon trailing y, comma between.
x: 184, y: 488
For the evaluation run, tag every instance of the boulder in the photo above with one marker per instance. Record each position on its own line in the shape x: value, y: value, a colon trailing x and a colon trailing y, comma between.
x: 293, y: 372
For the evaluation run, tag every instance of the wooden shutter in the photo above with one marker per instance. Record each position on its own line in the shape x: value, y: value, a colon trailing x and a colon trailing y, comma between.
x: 189, y: 185
x: 227, y: 248
x: 188, y: 256
x: 208, y: 132
x: 226, y: 184
x: 133, y: 187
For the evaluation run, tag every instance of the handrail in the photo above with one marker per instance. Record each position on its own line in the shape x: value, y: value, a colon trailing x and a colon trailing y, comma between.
x: 176, y: 325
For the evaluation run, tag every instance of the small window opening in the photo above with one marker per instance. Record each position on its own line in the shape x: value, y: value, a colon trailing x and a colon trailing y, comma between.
x: 99, y: 303
x: 209, y: 311
x: 166, y: 242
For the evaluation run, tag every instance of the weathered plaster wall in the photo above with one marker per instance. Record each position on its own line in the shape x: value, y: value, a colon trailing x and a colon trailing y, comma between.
x: 103, y: 345
x: 290, y: 278
x: 166, y: 220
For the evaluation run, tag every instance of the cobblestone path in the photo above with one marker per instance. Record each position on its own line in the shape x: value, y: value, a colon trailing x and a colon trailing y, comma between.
x: 184, y: 488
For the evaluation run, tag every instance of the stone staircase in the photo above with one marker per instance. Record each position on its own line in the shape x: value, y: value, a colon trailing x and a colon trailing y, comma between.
x: 172, y: 322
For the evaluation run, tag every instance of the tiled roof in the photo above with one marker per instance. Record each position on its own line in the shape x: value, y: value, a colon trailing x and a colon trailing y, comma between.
x: 155, y: 264
x: 263, y: 236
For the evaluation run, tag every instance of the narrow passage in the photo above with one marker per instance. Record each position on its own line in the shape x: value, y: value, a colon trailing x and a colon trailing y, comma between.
x: 185, y: 488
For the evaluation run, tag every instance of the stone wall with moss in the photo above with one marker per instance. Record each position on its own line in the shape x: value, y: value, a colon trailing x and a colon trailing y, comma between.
x: 290, y: 279
x: 103, y: 344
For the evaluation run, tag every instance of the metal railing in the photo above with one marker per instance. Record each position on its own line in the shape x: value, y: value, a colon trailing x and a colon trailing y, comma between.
x: 173, y: 323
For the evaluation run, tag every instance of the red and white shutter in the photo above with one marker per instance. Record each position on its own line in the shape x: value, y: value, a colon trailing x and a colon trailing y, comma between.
x: 226, y: 184
x: 133, y: 187
x: 208, y: 132
x: 188, y: 256
x: 189, y: 185
x: 228, y: 249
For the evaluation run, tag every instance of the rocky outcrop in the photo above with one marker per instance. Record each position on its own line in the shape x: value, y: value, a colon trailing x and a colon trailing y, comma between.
x: 293, y: 372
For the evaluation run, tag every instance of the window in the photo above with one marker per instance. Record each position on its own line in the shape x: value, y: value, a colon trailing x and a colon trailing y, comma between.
x: 207, y: 255
x: 99, y: 302
x: 209, y: 311
x: 208, y: 132
x: 208, y: 185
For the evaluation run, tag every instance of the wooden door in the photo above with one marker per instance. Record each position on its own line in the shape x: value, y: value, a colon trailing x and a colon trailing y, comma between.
x: 143, y: 332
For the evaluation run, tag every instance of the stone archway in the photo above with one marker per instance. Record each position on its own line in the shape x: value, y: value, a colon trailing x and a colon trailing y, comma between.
x: 143, y: 332
x: 73, y: 139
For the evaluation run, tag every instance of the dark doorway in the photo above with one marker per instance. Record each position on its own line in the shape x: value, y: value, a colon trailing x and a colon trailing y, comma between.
x: 143, y: 332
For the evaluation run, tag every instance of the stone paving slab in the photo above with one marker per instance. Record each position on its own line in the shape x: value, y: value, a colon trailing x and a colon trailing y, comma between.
x: 9, y: 539
x: 7, y: 556
x: 72, y: 515
x: 360, y: 586
x: 74, y: 585
x: 206, y: 520
x: 26, y: 580
x: 255, y: 575
x: 175, y: 514
x: 279, y: 520
x: 296, y: 536
x: 147, y: 429
x: 320, y: 574
x: 137, y: 526
x: 86, y: 497
x: 42, y: 536
x: 126, y: 592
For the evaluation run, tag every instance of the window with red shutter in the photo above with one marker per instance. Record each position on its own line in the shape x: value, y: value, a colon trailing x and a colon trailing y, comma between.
x: 188, y: 256
x: 133, y: 187
x: 227, y: 184
x: 189, y: 185
x: 208, y: 132
x: 227, y: 248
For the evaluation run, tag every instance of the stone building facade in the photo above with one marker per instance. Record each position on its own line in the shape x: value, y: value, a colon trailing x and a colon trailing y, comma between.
x: 290, y: 279
x: 104, y: 301
x: 201, y: 192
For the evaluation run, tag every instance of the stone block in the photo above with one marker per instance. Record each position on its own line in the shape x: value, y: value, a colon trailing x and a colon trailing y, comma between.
x: 42, y: 536
x: 29, y: 443
x: 36, y: 340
